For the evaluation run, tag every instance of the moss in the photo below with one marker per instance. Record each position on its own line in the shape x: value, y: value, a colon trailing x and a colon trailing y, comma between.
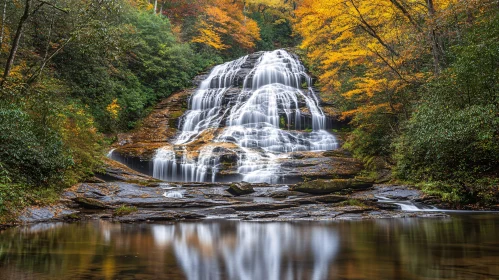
x: 282, y: 122
x: 124, y: 210
x: 73, y: 216
x: 176, y: 114
x: 352, y: 202
x: 240, y: 189
x: 15, y: 197
x: 90, y: 203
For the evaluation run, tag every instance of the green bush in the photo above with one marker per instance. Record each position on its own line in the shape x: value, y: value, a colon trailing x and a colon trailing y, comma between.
x: 453, y: 136
x: 124, y: 210
x: 34, y: 153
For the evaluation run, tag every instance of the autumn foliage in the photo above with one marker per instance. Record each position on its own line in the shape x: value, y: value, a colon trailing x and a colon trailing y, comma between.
x: 223, y: 24
x: 371, y: 55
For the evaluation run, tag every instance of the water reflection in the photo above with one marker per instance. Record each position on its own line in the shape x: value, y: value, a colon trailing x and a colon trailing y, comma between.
x: 249, y: 250
x: 463, y: 247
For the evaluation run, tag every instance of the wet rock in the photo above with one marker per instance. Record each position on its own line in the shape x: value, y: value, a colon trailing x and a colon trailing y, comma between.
x: 142, y: 216
x: 320, y: 199
x: 238, y: 189
x: 263, y: 206
x: 353, y: 209
x: 337, y: 153
x: 199, y: 79
x: 90, y: 203
x: 294, y: 213
x: 264, y: 215
x: 386, y: 206
x: 284, y: 194
x: 217, y: 211
x: 350, y: 217
x: 330, y: 198
x: 331, y: 186
x: 314, y: 165
x: 45, y: 214
x: 155, y: 130
x: 400, y: 193
x: 116, y: 171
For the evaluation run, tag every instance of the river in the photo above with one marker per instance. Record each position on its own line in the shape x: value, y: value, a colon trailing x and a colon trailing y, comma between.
x: 464, y: 246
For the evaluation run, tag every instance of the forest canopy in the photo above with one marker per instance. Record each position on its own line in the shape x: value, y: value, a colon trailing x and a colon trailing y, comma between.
x: 416, y: 80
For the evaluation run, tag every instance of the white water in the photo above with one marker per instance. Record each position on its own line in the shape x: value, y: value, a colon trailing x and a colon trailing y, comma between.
x: 406, y: 205
x: 265, y: 119
x: 173, y: 194
x: 167, y: 167
x: 110, y: 154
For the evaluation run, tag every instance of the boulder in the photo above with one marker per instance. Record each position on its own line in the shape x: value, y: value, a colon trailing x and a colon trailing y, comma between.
x: 238, y: 189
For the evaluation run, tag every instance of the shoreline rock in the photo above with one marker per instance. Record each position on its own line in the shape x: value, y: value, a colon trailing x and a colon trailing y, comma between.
x: 331, y: 186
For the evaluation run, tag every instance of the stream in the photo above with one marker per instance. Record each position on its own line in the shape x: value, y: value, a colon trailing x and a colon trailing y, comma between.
x: 464, y: 246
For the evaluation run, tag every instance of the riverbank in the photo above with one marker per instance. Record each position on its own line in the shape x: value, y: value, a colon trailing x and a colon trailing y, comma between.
x: 123, y: 195
x: 146, y: 199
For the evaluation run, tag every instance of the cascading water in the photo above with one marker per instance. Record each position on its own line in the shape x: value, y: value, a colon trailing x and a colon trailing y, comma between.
x: 266, y: 111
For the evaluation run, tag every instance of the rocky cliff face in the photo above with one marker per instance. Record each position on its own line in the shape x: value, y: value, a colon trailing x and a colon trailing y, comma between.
x: 255, y: 119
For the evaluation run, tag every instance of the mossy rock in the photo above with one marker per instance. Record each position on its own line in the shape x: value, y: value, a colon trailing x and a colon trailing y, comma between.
x: 337, y: 153
x: 238, y: 189
x: 331, y: 186
x: 90, y: 203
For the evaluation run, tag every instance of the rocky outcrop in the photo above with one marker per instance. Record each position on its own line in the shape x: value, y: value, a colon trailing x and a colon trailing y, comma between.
x: 331, y: 186
x: 326, y: 165
x: 156, y: 129
x: 115, y: 171
x: 47, y: 213
x: 90, y: 203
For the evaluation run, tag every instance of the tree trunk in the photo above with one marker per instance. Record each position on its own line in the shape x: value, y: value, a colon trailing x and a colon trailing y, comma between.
x: 406, y: 13
x: 3, y: 23
x: 15, y: 43
x: 155, y: 6
x: 435, y: 47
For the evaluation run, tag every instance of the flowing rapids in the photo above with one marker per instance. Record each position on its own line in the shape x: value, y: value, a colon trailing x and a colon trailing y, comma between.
x: 265, y: 110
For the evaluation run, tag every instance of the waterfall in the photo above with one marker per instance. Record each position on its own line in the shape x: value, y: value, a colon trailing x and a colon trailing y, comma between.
x: 267, y: 108
x: 168, y: 168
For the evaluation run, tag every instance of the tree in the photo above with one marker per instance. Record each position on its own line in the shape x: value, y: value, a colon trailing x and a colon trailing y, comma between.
x: 224, y: 22
x: 373, y: 55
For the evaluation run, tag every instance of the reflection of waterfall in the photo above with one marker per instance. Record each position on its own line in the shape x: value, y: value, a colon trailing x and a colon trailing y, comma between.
x: 251, y: 250
x: 267, y: 111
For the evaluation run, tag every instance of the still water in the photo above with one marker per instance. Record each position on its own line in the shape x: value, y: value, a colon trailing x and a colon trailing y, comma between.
x: 460, y: 247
